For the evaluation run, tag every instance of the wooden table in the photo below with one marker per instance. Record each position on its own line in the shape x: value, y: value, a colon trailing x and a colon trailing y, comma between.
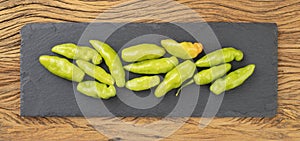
x: 285, y: 126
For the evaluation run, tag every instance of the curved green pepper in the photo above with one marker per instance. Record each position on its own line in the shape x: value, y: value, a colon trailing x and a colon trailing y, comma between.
x: 209, y: 75
x: 232, y: 80
x: 155, y: 66
x: 219, y: 57
x: 142, y: 52
x: 96, y: 90
x: 112, y: 60
x: 142, y: 83
x: 62, y: 68
x: 183, y: 50
x: 96, y: 72
x: 73, y: 51
x: 175, y: 77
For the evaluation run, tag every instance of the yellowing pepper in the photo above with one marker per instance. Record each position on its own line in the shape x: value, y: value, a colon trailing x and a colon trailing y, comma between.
x: 183, y: 50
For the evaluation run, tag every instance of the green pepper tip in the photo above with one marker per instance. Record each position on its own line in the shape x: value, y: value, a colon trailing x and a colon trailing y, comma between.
x: 92, y: 41
x: 54, y: 49
x: 42, y: 59
x: 252, y: 66
x: 96, y: 42
x: 127, y: 67
x: 239, y: 56
x: 97, y: 60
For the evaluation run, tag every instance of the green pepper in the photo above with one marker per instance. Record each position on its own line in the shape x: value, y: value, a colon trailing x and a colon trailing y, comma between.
x: 232, y: 80
x: 219, y: 57
x: 155, y: 66
x: 73, y: 51
x: 183, y: 50
x: 96, y: 72
x: 209, y: 75
x: 96, y: 90
x: 175, y: 77
x: 62, y: 68
x: 112, y: 60
x: 142, y: 83
x: 142, y: 52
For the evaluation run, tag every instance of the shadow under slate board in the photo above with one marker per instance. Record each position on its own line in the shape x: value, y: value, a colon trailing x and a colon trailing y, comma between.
x: 44, y: 94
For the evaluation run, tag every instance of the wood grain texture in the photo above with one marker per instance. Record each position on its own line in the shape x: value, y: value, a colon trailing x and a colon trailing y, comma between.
x: 286, y: 13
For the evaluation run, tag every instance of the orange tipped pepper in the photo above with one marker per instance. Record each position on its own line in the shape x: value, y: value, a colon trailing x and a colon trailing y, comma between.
x: 183, y: 50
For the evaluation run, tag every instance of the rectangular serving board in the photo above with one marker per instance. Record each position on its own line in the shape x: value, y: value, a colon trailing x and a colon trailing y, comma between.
x: 44, y: 94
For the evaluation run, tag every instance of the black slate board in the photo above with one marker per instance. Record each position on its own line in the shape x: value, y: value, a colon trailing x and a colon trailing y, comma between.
x: 43, y: 94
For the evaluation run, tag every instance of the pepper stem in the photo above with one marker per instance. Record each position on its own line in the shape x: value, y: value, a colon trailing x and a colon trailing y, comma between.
x: 184, y: 85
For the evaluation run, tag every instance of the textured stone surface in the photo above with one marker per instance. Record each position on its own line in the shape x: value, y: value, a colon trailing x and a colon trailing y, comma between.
x: 43, y: 94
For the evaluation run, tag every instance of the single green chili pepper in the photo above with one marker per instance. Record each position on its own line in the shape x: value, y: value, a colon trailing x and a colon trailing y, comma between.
x: 220, y: 56
x: 155, y: 66
x: 96, y: 72
x: 96, y: 90
x: 142, y: 52
x: 112, y: 60
x: 209, y: 75
x: 183, y: 50
x: 142, y: 83
x: 62, y: 68
x: 232, y: 80
x: 175, y: 78
x: 73, y: 51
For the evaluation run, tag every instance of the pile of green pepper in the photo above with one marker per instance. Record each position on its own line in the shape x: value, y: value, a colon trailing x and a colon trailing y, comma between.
x: 146, y: 59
